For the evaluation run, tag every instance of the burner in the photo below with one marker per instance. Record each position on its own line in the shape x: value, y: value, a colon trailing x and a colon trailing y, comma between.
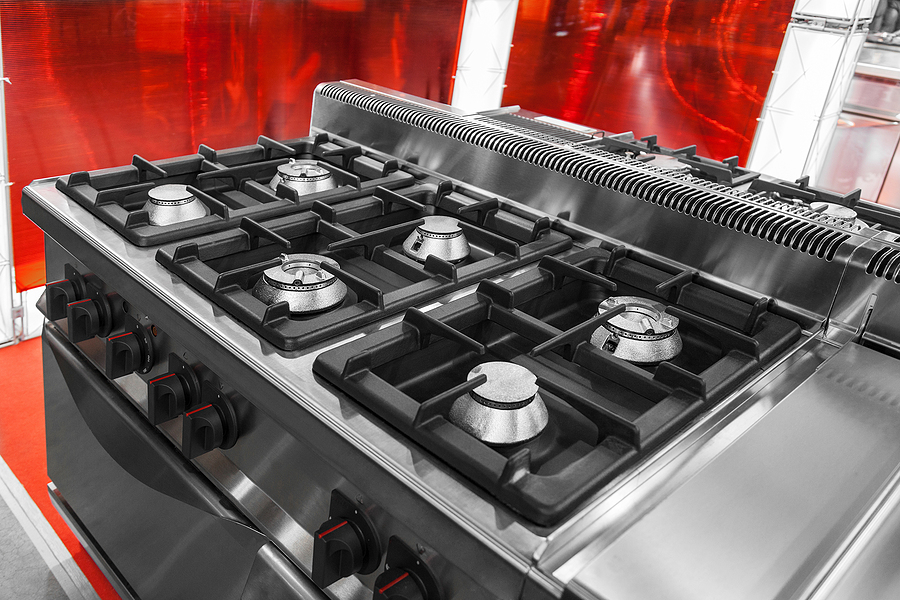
x: 643, y: 334
x: 842, y: 216
x: 504, y: 410
x: 173, y: 203
x: 301, y: 281
x: 305, y: 176
x: 438, y: 236
x: 667, y: 163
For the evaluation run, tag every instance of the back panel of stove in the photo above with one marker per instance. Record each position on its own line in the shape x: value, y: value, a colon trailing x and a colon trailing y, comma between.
x: 722, y: 231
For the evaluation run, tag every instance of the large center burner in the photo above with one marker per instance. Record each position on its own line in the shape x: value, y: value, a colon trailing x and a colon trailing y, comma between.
x: 505, y: 409
x: 437, y: 236
x: 301, y: 281
x: 173, y: 203
x: 305, y: 176
x: 643, y: 334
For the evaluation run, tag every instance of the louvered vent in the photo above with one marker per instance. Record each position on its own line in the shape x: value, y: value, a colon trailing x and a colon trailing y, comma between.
x: 734, y: 209
x: 538, y: 129
x: 885, y: 264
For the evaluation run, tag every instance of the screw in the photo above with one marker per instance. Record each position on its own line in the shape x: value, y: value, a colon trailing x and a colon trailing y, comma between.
x: 360, y: 499
x: 420, y: 548
x: 611, y: 301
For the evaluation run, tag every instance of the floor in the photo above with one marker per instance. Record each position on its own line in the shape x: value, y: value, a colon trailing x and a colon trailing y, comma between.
x: 40, y: 558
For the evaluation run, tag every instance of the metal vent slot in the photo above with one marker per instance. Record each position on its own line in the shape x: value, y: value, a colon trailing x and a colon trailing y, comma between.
x: 884, y: 263
x: 739, y: 210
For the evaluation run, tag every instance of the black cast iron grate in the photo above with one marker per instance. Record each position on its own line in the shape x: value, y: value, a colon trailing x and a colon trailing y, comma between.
x: 364, y: 235
x: 231, y: 183
x: 605, y: 413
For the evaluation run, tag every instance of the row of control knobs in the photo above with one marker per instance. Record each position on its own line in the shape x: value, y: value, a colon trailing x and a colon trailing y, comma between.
x: 347, y: 543
x: 209, y: 417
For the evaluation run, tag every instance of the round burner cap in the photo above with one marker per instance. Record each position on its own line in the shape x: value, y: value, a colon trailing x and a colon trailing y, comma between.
x: 170, y: 193
x: 507, y: 383
x: 440, y: 227
x: 303, y: 170
x: 668, y: 163
x: 301, y: 272
x: 835, y: 211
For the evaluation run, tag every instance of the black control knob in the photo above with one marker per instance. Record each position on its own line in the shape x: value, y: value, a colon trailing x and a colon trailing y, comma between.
x: 203, y: 431
x: 123, y: 355
x: 339, y: 548
x: 398, y: 584
x: 84, y: 320
x: 167, y: 397
x: 406, y: 575
x: 58, y: 296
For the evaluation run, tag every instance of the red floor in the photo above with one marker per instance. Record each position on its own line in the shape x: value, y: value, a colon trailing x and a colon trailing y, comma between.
x: 23, y: 447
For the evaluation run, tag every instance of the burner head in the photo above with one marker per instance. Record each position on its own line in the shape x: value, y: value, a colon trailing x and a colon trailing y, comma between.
x: 667, y: 163
x: 506, y: 409
x: 440, y: 236
x: 644, y: 334
x: 842, y: 215
x: 173, y: 203
x: 305, y: 176
x: 301, y: 281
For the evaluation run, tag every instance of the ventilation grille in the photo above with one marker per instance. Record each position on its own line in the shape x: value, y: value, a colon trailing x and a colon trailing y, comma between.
x: 538, y: 129
x: 885, y: 264
x: 727, y: 207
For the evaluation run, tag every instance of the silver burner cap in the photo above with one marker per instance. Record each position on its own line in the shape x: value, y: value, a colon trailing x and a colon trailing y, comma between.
x: 305, y: 176
x: 173, y: 203
x: 301, y: 281
x: 439, y: 236
x: 644, y: 334
x: 668, y: 163
x: 840, y: 213
x: 506, y: 409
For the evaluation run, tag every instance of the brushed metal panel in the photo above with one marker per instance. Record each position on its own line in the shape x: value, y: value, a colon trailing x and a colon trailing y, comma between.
x: 771, y: 509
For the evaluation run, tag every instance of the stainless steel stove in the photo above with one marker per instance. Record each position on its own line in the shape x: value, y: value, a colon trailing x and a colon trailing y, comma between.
x: 428, y: 354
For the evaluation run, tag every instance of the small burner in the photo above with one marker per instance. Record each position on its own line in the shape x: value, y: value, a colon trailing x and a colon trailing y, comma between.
x: 439, y: 236
x: 506, y: 409
x: 305, y: 176
x: 667, y: 163
x: 301, y: 281
x: 843, y: 216
x: 644, y: 334
x: 173, y: 203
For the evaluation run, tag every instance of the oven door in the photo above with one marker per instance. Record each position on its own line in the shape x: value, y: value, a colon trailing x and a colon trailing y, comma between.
x: 155, y: 526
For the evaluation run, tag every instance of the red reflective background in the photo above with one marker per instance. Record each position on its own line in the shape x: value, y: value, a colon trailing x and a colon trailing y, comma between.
x: 94, y: 82
x: 689, y: 71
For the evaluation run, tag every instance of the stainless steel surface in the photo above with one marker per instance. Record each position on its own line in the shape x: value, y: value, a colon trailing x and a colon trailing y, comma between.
x: 437, y: 236
x: 505, y: 409
x: 644, y: 334
x: 879, y: 60
x: 301, y: 281
x: 173, y: 203
x: 772, y: 508
x: 305, y: 176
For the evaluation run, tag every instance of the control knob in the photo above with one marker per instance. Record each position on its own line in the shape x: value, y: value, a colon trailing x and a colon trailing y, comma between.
x: 405, y: 576
x: 212, y: 425
x: 344, y: 544
x: 58, y: 296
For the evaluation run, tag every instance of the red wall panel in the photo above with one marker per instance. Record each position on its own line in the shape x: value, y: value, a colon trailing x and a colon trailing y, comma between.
x: 94, y: 82
x: 689, y: 71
